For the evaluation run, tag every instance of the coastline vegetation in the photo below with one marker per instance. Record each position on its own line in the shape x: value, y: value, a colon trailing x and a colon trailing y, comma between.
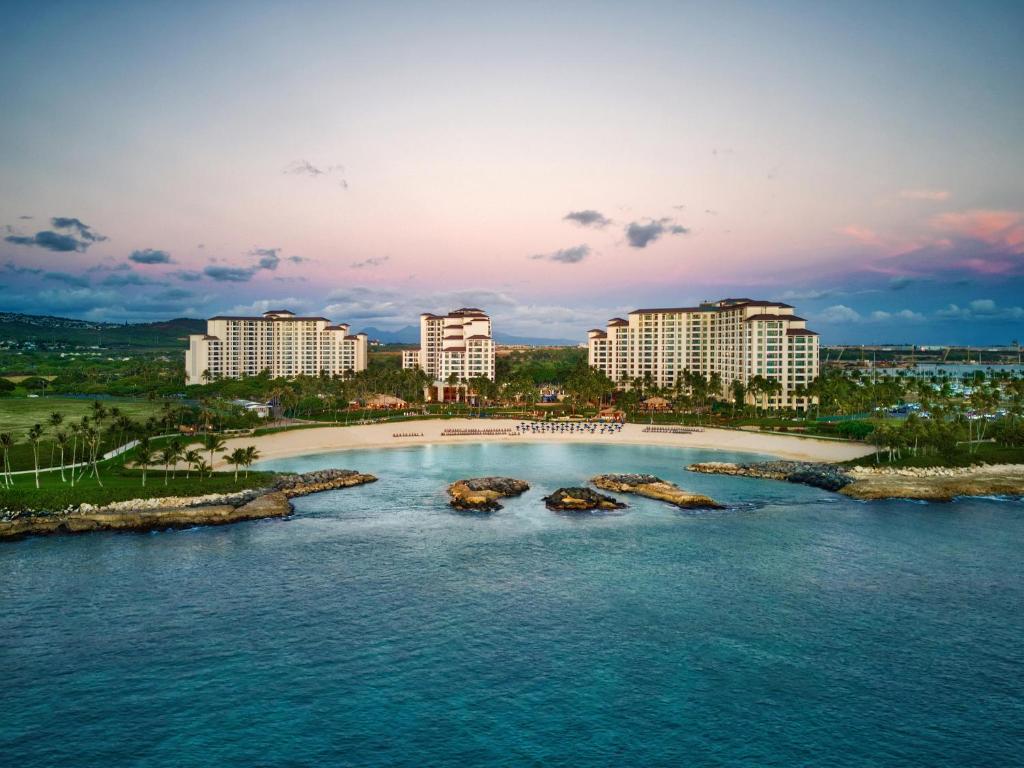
x: 61, y: 411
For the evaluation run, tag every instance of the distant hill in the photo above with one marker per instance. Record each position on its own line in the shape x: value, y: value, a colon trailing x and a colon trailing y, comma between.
x: 170, y: 334
x: 410, y: 334
x: 47, y: 329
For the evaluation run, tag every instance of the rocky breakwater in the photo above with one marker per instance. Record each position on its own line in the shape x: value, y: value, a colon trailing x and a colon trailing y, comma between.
x: 936, y: 483
x: 481, y: 494
x: 580, y: 500
x: 168, y: 512
x: 654, y: 487
x: 321, y: 480
x: 826, y: 476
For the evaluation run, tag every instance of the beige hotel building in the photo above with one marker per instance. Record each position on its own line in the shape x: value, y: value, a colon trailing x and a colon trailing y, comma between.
x: 278, y: 342
x: 458, y: 343
x: 736, y: 338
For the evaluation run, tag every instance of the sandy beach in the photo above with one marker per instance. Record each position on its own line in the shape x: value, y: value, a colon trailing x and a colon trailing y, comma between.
x: 300, y: 442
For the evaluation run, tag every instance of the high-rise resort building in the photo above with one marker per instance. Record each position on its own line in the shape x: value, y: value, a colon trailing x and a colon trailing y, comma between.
x: 277, y: 342
x: 457, y: 345
x: 736, y: 338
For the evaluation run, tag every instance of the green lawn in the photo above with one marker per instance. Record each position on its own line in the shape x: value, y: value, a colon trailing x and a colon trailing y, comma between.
x: 120, y: 485
x: 987, y: 453
x: 18, y: 414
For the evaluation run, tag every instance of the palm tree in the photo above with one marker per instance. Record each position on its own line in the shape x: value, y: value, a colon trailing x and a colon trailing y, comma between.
x: 55, y: 420
x: 251, y: 455
x: 169, y: 455
x: 214, y: 443
x: 6, y: 442
x: 192, y: 458
x: 236, y: 457
x: 61, y: 440
x: 34, y: 434
x: 144, y: 457
x: 93, y: 439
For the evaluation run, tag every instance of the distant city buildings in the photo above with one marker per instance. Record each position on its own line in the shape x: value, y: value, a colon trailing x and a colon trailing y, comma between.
x: 738, y: 339
x: 277, y: 342
x: 454, y: 347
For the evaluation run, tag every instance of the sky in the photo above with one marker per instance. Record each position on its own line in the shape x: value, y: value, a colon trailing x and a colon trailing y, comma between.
x: 556, y: 164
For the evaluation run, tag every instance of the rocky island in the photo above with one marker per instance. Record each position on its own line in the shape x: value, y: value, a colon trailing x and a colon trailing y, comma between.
x: 180, y: 512
x: 481, y: 494
x: 654, y: 487
x: 580, y: 500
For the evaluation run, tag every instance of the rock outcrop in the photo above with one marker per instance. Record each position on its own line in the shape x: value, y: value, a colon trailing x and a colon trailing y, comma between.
x: 481, y: 494
x: 654, y: 487
x: 870, y: 483
x: 181, y: 512
x: 321, y: 480
x: 826, y: 476
x: 935, y: 483
x: 580, y: 500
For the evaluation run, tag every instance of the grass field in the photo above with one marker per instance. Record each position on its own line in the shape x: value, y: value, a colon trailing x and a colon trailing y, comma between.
x: 18, y: 414
x: 119, y: 485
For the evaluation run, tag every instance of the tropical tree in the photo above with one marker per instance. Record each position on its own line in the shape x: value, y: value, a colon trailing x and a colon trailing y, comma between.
x: 54, y: 421
x: 170, y: 454
x: 144, y: 457
x: 6, y: 443
x: 251, y: 454
x: 62, y: 440
x: 237, y: 458
x: 213, y: 443
x: 193, y: 458
x: 34, y: 435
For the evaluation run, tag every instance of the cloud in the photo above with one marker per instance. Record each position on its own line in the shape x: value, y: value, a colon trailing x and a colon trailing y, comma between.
x: 296, y: 259
x: 51, y: 241
x: 230, y: 274
x: 59, y: 241
x: 572, y: 255
x: 24, y: 218
x: 150, y: 256
x: 373, y: 261
x: 64, y: 277
x: 839, y: 313
x: 1002, y: 229
x: 258, y: 307
x: 905, y: 315
x: 808, y: 294
x: 173, y: 294
x: 925, y: 194
x: 306, y: 168
x: 588, y: 218
x: 84, y: 231
x: 10, y: 266
x: 125, y: 278
x: 981, y: 310
x: 187, y: 275
x: 268, y: 258
x: 641, y: 235
x: 303, y: 168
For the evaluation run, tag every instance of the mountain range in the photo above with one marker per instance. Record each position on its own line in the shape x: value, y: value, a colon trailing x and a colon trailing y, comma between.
x: 169, y: 334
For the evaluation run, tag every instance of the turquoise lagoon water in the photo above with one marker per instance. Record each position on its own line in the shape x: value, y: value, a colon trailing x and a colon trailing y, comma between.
x: 377, y: 627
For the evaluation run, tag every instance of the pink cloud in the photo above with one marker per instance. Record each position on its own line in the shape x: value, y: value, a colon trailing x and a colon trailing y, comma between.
x: 925, y: 194
x: 999, y: 228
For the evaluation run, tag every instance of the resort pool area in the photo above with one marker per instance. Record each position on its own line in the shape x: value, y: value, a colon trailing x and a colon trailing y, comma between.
x: 379, y: 627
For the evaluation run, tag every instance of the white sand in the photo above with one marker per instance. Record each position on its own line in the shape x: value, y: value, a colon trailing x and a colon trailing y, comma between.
x: 301, y: 442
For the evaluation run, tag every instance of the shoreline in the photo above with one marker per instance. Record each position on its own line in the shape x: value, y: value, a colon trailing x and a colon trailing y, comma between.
x: 428, y: 432
x: 175, y: 512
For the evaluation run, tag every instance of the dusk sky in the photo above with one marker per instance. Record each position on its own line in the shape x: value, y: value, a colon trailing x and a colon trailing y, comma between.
x: 554, y: 164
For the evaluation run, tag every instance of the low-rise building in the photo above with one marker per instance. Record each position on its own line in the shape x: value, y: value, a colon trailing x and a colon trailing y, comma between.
x: 278, y: 342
